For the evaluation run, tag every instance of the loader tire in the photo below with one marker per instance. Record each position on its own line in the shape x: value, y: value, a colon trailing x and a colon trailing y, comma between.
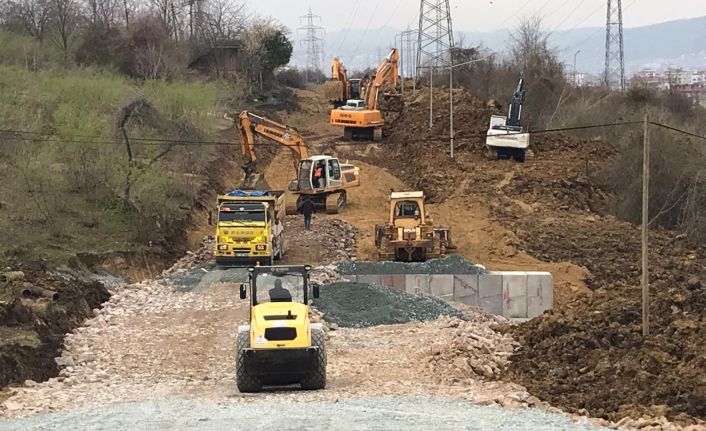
x: 317, y: 378
x: 244, y: 381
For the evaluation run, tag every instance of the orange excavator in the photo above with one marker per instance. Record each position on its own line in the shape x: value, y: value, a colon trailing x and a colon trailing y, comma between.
x: 323, y: 178
x: 350, y: 88
x: 361, y: 117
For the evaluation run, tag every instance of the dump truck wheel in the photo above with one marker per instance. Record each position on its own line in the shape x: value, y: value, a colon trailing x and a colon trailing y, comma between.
x: 244, y: 381
x: 317, y: 378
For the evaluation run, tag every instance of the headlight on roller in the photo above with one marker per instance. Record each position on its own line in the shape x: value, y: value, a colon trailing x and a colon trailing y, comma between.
x: 222, y: 247
x: 262, y: 247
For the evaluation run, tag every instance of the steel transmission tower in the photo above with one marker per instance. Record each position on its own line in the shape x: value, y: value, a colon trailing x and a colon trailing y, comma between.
x: 435, y: 42
x: 614, y: 75
x: 314, y: 41
x: 435, y: 35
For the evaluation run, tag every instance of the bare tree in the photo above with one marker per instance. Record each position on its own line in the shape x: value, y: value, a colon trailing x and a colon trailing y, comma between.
x: 64, y: 23
x: 29, y: 16
x: 222, y: 20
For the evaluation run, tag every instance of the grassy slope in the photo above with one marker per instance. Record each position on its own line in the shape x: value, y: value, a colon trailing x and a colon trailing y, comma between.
x: 58, y: 197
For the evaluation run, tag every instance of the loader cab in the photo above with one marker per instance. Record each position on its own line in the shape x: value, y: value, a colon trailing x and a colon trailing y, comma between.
x: 329, y: 169
x: 272, y: 284
x: 407, y: 209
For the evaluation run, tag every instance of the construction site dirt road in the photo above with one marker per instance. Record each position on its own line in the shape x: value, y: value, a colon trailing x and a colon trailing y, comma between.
x: 174, y: 338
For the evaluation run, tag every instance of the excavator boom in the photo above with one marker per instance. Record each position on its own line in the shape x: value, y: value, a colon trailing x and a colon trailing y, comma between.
x: 338, y: 73
x: 251, y: 125
x: 360, y: 118
x: 387, y: 71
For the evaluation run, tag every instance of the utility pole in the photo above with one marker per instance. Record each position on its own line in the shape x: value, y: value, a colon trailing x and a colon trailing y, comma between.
x: 314, y: 44
x: 435, y: 42
x: 614, y: 74
x: 645, y: 226
x: 576, y: 84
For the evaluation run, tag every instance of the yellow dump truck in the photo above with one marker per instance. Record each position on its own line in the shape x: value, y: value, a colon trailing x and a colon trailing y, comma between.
x: 250, y: 228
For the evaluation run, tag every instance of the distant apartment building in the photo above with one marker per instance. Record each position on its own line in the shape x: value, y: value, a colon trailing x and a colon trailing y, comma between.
x: 691, y: 83
x: 679, y: 77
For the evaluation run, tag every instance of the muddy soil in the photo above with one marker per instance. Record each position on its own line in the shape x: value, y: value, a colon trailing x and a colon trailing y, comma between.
x: 589, y: 353
x: 33, y: 324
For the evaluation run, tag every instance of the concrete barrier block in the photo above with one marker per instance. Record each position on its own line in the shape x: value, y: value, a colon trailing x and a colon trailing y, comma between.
x: 490, y: 292
x: 442, y: 285
x: 540, y: 293
x: 394, y: 281
x: 514, y: 294
x: 368, y: 278
x: 417, y: 283
x: 466, y: 289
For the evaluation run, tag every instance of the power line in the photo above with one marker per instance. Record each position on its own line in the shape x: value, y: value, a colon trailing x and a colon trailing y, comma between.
x: 569, y: 15
x: 37, y: 137
x: 370, y: 21
x: 348, y: 26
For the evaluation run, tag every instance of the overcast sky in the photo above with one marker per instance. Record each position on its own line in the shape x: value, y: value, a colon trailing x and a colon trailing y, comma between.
x: 475, y: 15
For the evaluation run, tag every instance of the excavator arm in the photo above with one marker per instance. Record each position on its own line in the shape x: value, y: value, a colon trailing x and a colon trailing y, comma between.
x: 338, y: 73
x: 251, y: 125
x: 388, y: 72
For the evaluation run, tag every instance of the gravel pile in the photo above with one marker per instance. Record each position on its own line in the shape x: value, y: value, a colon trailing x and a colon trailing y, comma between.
x: 453, y: 264
x: 362, y: 305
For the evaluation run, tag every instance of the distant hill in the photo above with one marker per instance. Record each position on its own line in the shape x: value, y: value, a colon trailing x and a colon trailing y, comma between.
x: 679, y: 43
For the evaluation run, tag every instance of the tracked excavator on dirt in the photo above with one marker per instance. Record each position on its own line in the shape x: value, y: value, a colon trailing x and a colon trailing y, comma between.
x: 361, y: 117
x: 322, y: 178
x: 410, y: 235
x: 349, y: 87
x: 506, y: 138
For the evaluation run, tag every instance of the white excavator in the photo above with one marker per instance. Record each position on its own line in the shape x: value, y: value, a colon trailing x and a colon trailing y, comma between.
x: 506, y: 138
x: 327, y: 192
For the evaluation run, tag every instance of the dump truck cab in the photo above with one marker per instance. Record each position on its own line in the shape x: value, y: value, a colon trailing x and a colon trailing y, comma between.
x: 249, y: 227
x: 410, y: 234
x: 280, y: 346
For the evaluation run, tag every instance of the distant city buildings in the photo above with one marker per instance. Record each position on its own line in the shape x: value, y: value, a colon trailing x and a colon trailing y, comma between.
x: 691, y: 83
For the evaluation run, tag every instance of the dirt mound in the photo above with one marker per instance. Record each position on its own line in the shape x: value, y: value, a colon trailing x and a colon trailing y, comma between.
x: 595, y: 344
x: 32, y: 326
x: 419, y: 155
x: 453, y: 264
x: 362, y: 305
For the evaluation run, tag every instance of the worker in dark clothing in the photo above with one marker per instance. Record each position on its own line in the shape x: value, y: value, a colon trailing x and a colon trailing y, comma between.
x: 306, y: 207
x: 279, y: 293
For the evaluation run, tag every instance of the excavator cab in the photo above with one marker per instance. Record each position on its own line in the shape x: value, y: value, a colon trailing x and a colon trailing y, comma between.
x: 319, y: 173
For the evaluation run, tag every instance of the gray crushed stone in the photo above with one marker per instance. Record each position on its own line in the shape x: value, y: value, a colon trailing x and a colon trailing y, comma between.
x: 382, y: 413
x: 203, y: 277
x: 355, y: 305
x: 453, y: 264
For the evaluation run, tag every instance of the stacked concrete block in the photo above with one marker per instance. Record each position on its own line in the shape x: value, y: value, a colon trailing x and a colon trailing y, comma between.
x: 490, y: 293
x: 417, y: 283
x: 514, y: 294
x: 442, y: 285
x: 540, y: 293
x: 466, y: 289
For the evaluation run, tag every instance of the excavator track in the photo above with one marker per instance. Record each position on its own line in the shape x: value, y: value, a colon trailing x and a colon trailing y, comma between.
x: 335, y: 201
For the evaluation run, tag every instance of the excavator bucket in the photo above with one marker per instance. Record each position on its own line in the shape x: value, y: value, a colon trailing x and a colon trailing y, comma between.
x: 253, y: 179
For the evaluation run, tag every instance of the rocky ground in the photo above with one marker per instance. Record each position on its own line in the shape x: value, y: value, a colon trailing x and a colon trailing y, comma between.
x: 153, y: 339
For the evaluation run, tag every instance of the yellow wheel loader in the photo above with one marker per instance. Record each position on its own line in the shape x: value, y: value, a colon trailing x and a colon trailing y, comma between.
x: 410, y: 234
x: 280, y: 346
